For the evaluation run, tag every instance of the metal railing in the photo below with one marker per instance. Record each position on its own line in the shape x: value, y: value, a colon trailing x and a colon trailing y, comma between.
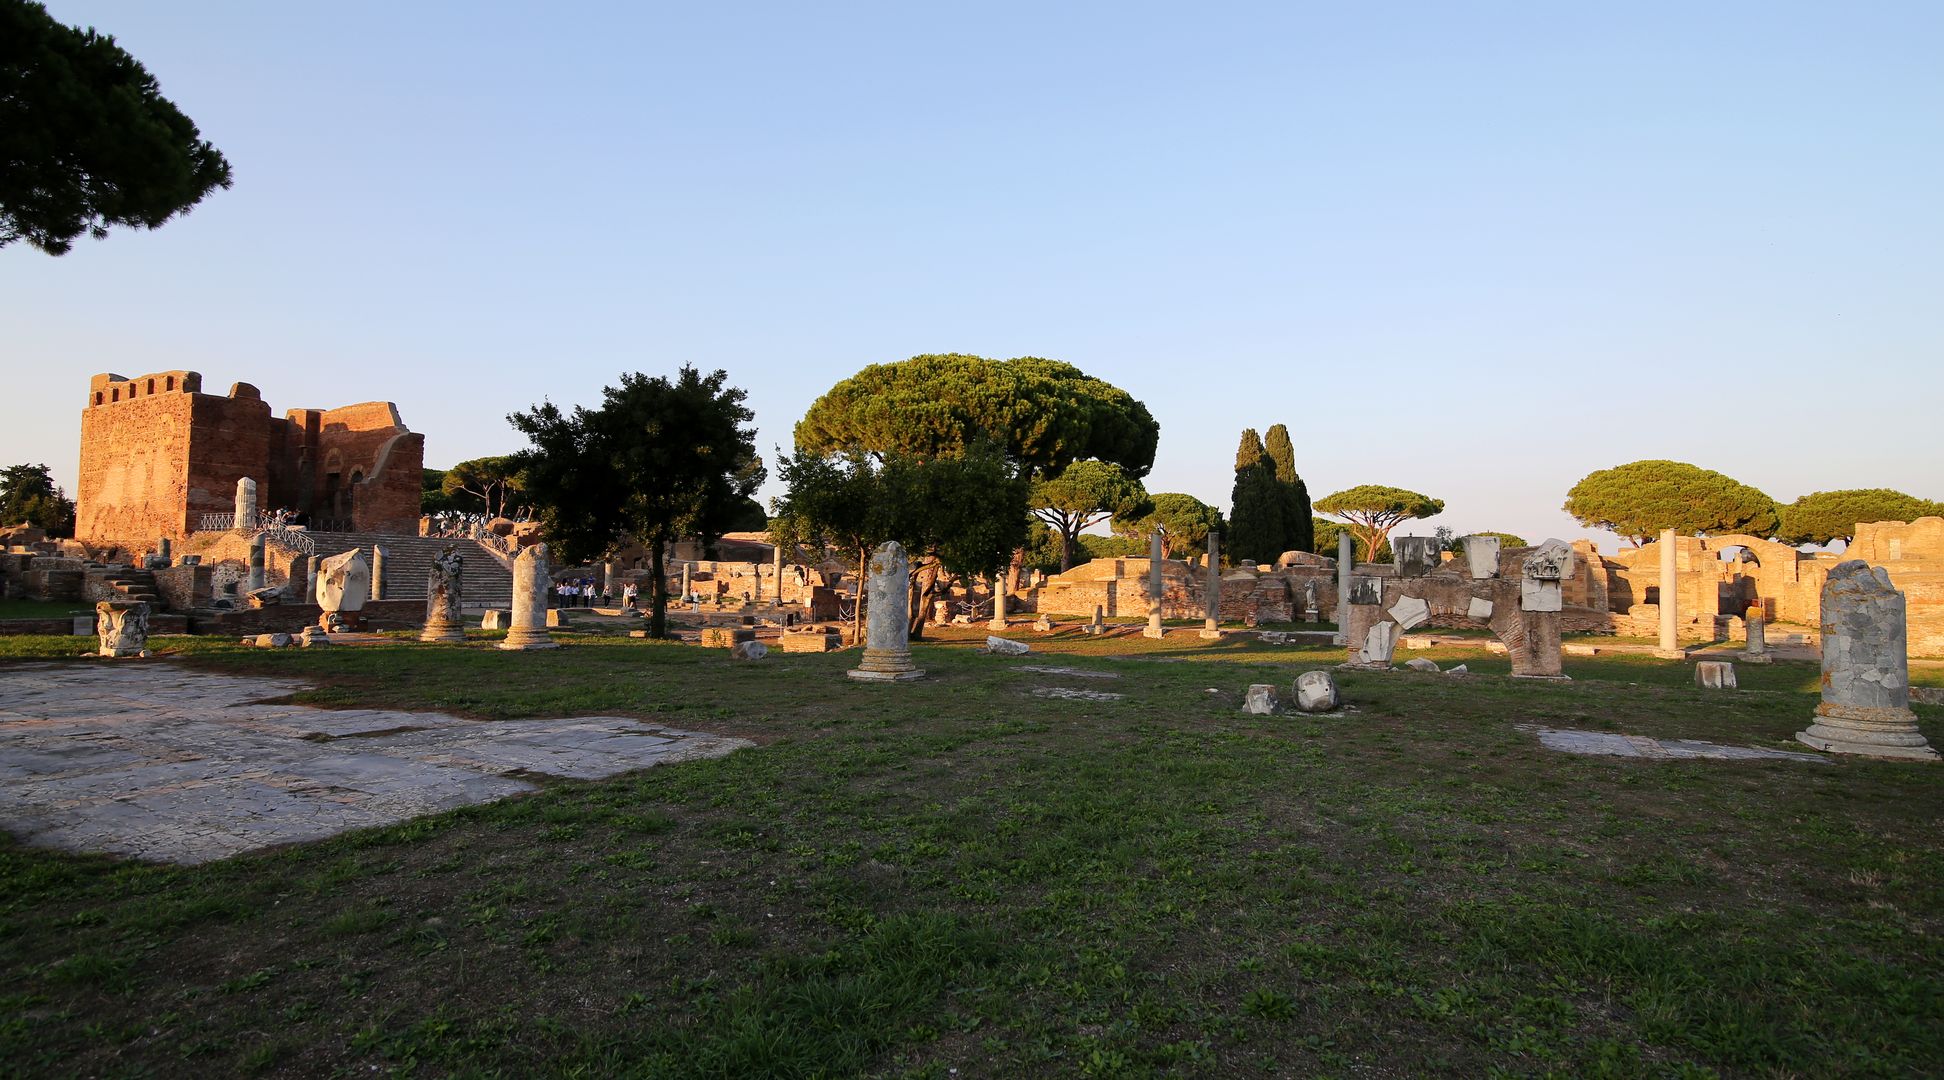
x: 292, y: 540
x: 497, y: 546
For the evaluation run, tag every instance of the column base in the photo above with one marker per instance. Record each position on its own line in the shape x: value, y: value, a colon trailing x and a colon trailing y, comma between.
x: 1867, y: 732
x: 520, y: 638
x: 864, y: 675
x: 1671, y: 654
x: 1211, y: 635
x: 442, y: 635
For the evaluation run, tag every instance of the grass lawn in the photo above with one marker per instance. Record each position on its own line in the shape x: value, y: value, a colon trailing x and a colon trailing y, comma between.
x: 44, y: 609
x: 956, y: 877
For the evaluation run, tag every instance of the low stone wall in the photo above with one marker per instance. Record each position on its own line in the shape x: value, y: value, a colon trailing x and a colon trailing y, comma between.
x: 292, y: 618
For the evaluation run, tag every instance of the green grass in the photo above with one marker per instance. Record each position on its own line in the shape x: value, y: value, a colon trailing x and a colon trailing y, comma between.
x: 44, y: 609
x: 952, y: 874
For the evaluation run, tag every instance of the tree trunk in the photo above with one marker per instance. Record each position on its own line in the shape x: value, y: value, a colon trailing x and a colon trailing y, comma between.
x: 857, y: 610
x: 658, y: 615
x: 924, y: 586
x: 1016, y: 571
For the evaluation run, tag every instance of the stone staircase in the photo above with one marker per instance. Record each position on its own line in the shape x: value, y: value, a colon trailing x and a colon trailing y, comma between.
x: 485, y: 581
x: 138, y: 584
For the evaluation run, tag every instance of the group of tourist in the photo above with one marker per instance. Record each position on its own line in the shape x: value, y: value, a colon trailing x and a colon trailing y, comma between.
x: 456, y: 525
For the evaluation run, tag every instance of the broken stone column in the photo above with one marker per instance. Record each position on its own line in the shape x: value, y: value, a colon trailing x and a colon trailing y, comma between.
x: 607, y: 579
x: 1099, y: 624
x: 246, y: 504
x: 1346, y: 562
x: 122, y: 627
x: 442, y: 599
x: 1212, y: 602
x: 378, y: 554
x: 776, y: 566
x: 1670, y: 604
x: 998, y: 602
x: 887, y: 614
x: 297, y: 586
x: 756, y: 572
x: 1755, y: 650
x: 528, y: 628
x: 164, y: 549
x: 343, y: 586
x: 685, y: 581
x: 1155, y: 587
x: 256, y: 564
x: 1865, y: 669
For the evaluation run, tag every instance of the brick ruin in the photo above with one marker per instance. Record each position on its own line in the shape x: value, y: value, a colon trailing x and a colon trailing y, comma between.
x: 1718, y: 579
x: 157, y: 454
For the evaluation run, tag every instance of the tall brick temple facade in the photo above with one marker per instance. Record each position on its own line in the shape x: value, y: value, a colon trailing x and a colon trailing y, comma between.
x: 157, y: 454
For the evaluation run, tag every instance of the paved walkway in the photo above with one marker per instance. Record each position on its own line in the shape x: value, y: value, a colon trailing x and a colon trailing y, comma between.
x: 154, y: 761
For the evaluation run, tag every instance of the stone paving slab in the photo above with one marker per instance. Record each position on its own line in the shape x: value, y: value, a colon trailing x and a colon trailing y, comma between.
x: 1640, y: 746
x: 158, y: 762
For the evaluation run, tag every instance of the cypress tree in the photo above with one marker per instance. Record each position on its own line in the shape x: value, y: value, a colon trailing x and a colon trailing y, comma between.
x: 1255, y: 504
x: 1299, y: 530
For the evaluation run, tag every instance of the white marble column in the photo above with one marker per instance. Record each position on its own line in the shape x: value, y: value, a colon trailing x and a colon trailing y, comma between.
x: 1212, y: 602
x: 1155, y: 587
x: 1670, y: 599
x: 1346, y: 562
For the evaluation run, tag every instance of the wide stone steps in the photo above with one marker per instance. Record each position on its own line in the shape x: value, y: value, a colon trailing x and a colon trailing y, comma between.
x: 483, y: 582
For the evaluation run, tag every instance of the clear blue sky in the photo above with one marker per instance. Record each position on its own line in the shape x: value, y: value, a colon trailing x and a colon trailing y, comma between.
x: 1477, y: 250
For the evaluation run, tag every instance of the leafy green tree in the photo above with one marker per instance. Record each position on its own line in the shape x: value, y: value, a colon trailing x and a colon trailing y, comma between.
x: 432, y: 496
x: 28, y: 497
x: 87, y: 141
x: 1506, y: 540
x: 656, y: 461
x: 1184, y: 521
x: 1326, y: 533
x: 1639, y: 499
x: 1083, y: 494
x: 1113, y: 547
x: 1371, y: 511
x: 1257, y: 504
x: 1043, y: 550
x: 1823, y: 516
x: 1044, y: 414
x: 1298, y: 533
x: 493, y: 481
x: 956, y: 515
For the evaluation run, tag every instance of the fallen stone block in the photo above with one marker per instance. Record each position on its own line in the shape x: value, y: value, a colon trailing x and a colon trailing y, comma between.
x: 999, y: 646
x: 748, y: 650
x: 1419, y: 663
x: 1260, y: 700
x: 1316, y: 691
x: 1714, y: 675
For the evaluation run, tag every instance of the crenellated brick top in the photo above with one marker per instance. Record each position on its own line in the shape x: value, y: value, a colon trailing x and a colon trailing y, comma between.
x: 110, y: 389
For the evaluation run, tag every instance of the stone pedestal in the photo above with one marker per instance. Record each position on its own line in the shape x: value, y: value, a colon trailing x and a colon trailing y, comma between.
x: 1346, y: 562
x: 1865, y: 706
x: 442, y: 599
x: 122, y: 627
x: 1755, y: 651
x: 297, y: 587
x: 528, y: 629
x: 887, y: 613
x: 1156, y: 587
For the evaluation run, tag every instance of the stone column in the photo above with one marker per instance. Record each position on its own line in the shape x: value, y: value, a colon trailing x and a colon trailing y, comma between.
x: 1099, y: 624
x: 685, y: 580
x: 442, y: 599
x: 887, y: 614
x: 378, y: 554
x: 122, y: 626
x: 776, y: 564
x: 756, y: 572
x: 1155, y: 587
x: 1346, y: 562
x: 297, y: 587
x: 165, y: 549
x: 607, y: 579
x: 1212, y: 602
x: 246, y: 504
x: 1756, y: 650
x: 1670, y: 600
x: 528, y: 629
x: 1865, y: 669
x: 998, y: 602
x: 255, y: 580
